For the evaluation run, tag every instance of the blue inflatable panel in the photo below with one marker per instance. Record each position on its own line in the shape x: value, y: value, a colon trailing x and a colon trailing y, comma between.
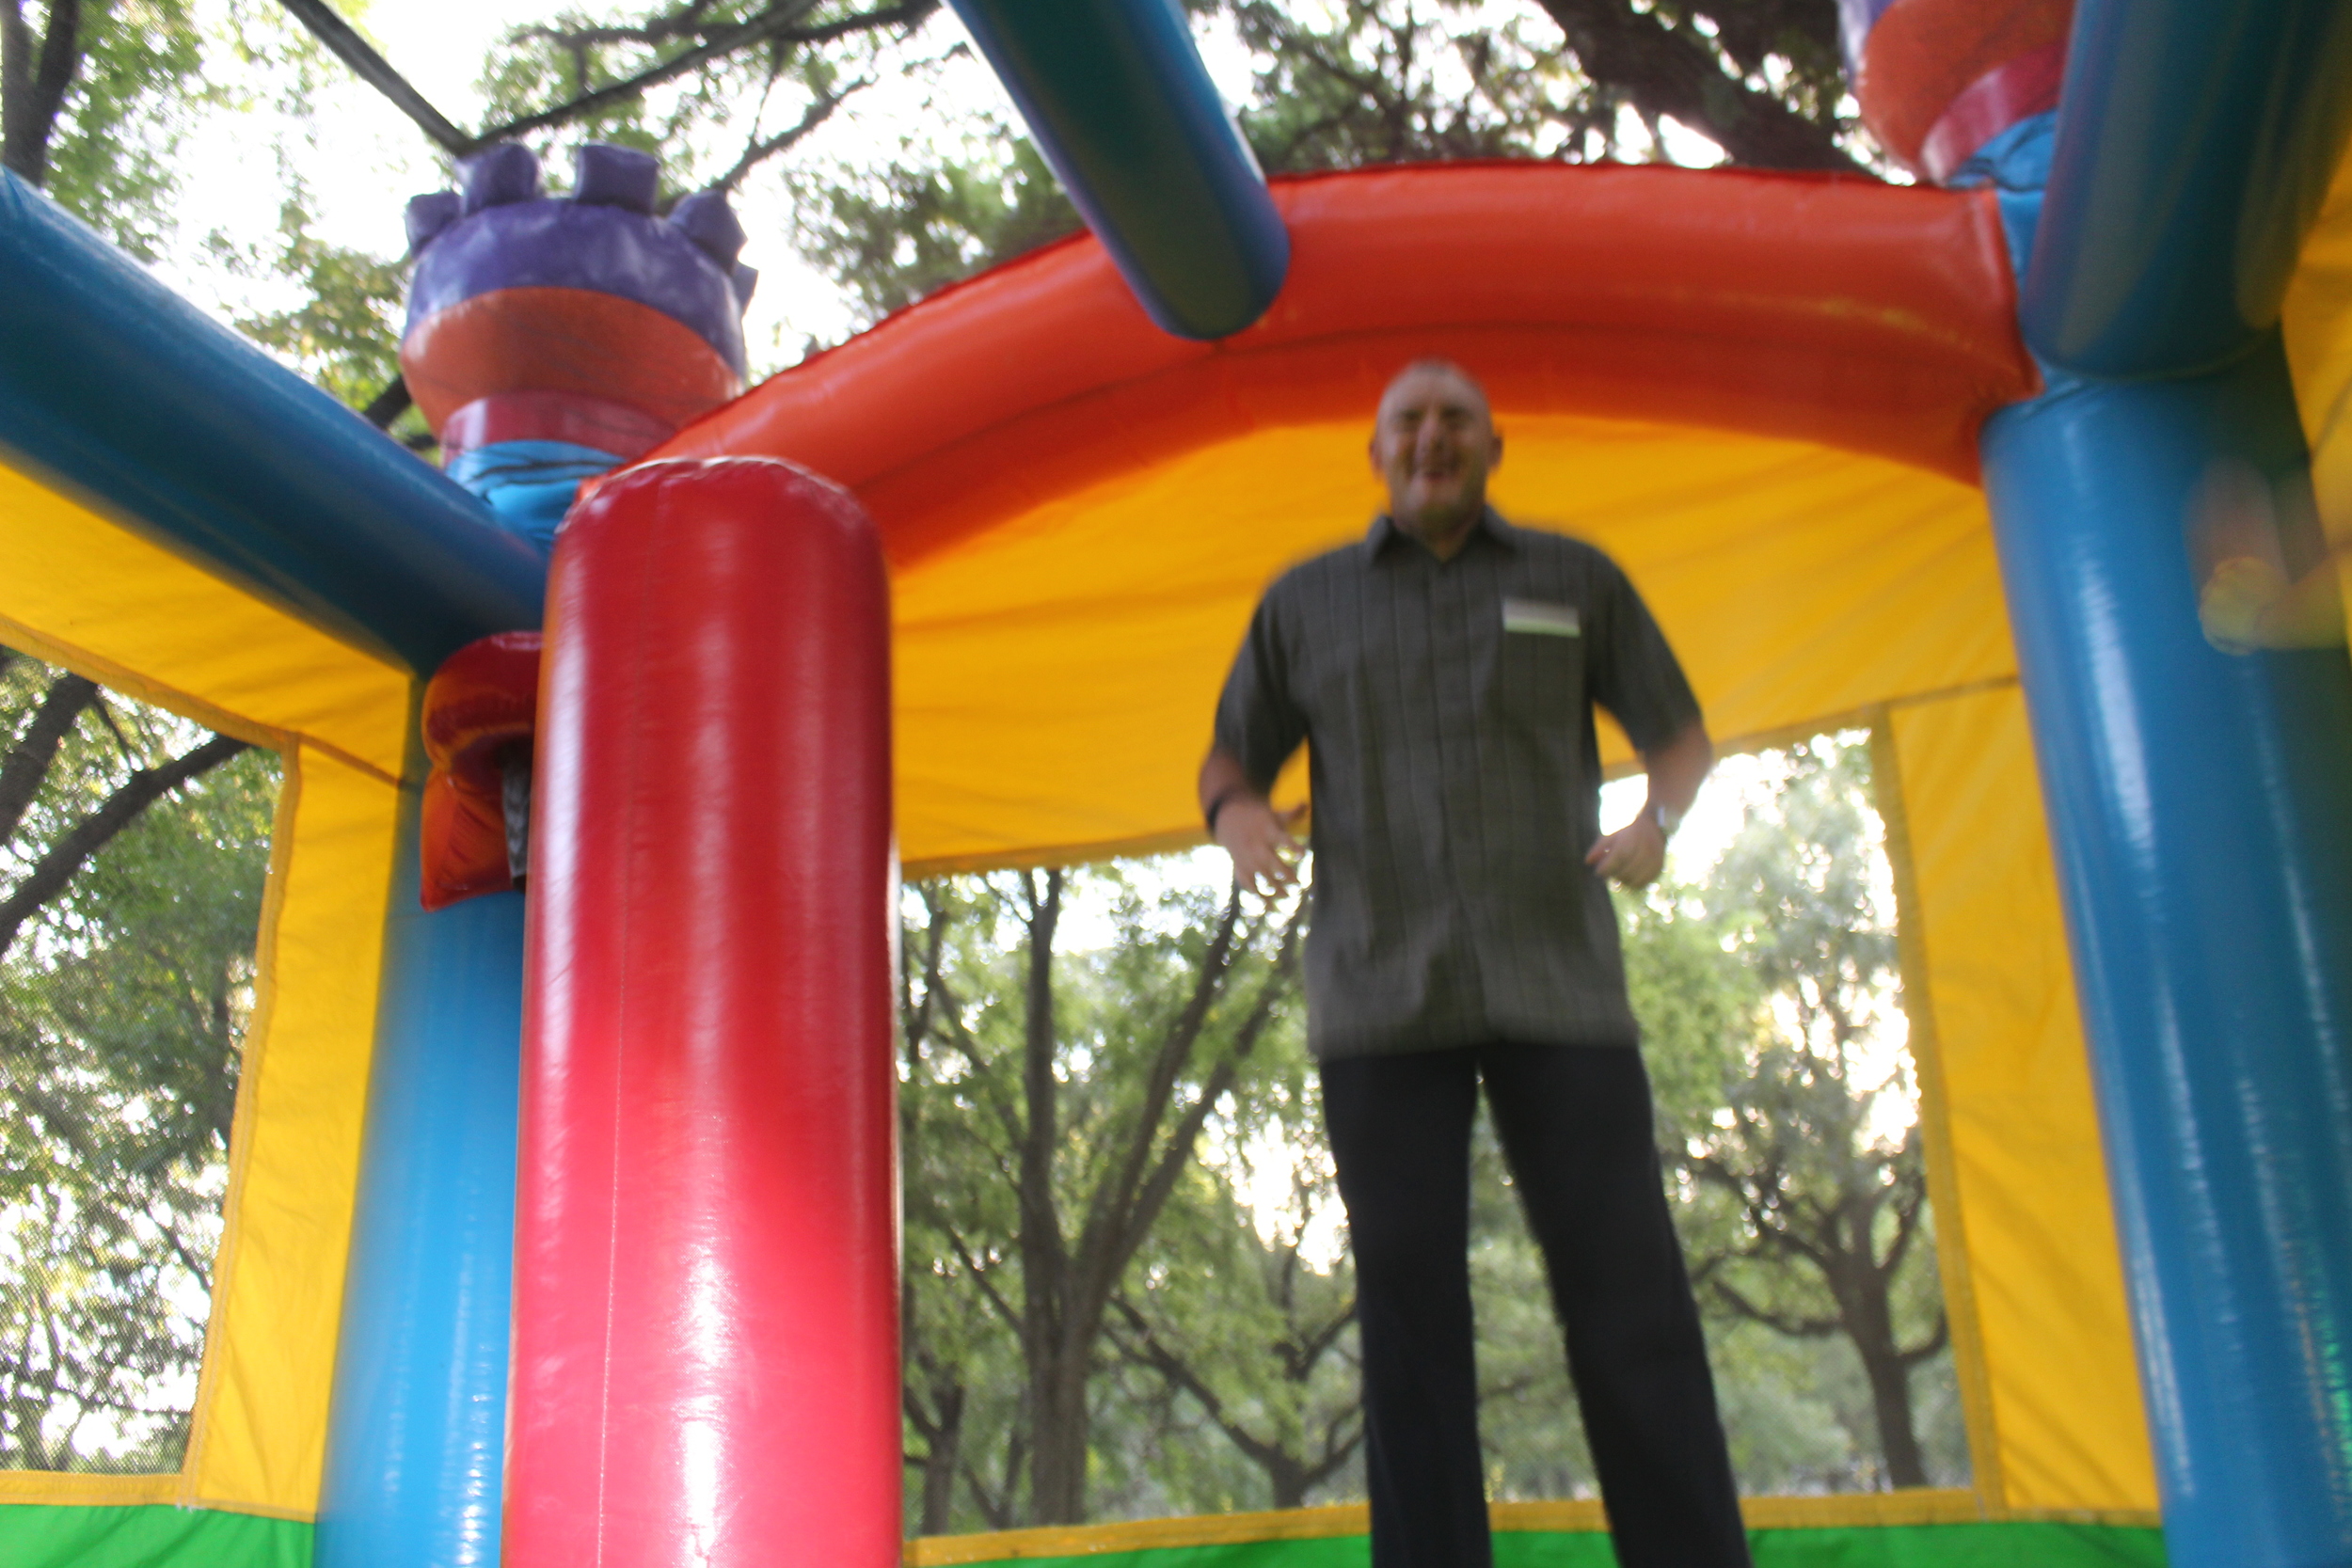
x: 417, y: 1430
x: 1122, y: 108
x: 530, y: 484
x: 116, y: 386
x: 2195, y: 142
x: 2201, y: 808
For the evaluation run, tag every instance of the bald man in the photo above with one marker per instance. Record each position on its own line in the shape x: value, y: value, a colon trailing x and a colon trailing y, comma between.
x: 1443, y: 672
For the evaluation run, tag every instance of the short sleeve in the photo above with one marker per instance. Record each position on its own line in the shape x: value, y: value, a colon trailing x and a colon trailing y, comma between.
x: 1634, y: 674
x: 1258, y: 720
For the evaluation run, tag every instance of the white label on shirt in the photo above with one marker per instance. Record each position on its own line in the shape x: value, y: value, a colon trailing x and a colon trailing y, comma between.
x: 1541, y: 617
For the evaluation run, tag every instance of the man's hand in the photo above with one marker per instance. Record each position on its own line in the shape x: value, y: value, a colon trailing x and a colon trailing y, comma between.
x: 1634, y: 854
x: 1265, y: 854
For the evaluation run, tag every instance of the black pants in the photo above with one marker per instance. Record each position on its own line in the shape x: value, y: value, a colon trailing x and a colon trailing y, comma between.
x: 1575, y: 1125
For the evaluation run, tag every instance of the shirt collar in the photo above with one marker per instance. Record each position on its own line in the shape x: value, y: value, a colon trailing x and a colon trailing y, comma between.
x: 1384, y: 532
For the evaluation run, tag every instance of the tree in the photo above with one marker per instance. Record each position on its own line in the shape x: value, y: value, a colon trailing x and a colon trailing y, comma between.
x: 86, y: 107
x: 1378, y: 82
x: 64, y: 793
x: 1085, y: 1086
x: 1761, y: 79
x: 894, y: 235
x: 1812, y: 1139
x: 135, y: 851
x: 1252, y: 1326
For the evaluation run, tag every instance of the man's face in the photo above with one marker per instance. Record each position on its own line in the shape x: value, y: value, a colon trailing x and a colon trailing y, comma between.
x: 1434, y: 446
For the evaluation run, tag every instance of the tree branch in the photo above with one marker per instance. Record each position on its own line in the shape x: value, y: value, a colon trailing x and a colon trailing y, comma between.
x: 1938, y: 1339
x: 1796, y: 1327
x: 1109, y: 1216
x: 388, y: 404
x: 1178, y: 1153
x: 760, y: 151
x: 716, y: 45
x: 54, y: 870
x: 1146, y: 1350
x: 346, y: 43
x: 1665, y: 71
x: 29, y: 761
x: 33, y: 83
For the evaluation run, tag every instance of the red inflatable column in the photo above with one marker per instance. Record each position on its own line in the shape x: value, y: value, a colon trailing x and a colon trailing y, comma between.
x: 705, y: 1363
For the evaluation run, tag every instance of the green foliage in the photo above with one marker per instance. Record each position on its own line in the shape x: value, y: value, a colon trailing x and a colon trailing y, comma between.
x: 1243, y: 1309
x: 343, y: 330
x: 1770, y: 996
x: 711, y: 123
x: 123, y: 1006
x: 112, y: 155
x: 1052, y: 1117
x: 895, y: 234
x: 1397, y: 81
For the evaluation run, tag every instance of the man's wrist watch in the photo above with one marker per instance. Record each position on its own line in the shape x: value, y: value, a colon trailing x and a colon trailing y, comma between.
x: 1667, y: 818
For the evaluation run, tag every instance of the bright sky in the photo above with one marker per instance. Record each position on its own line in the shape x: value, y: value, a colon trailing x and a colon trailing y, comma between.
x: 370, y: 159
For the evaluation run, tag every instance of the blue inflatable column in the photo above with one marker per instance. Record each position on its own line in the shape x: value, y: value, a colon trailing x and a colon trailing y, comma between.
x: 416, y: 1434
x: 2201, y: 806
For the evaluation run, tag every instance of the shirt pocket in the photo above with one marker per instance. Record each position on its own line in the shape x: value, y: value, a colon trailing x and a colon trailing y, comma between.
x: 1539, y: 670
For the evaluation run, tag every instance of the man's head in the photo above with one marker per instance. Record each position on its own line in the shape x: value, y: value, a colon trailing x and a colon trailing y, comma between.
x: 1434, y: 444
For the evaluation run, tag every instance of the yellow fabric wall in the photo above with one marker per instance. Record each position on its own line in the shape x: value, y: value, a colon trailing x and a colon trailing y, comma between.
x: 2318, y: 328
x: 1056, y: 678
x: 2023, y: 1170
x: 79, y: 590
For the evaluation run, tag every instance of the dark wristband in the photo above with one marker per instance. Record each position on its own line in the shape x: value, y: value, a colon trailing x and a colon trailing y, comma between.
x: 1223, y: 795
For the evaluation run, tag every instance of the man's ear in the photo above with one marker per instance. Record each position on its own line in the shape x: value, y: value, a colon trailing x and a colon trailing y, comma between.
x: 1494, y: 458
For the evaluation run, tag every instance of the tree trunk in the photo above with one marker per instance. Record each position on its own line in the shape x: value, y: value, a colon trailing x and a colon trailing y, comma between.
x: 1057, y: 1467
x: 33, y: 83
x: 945, y: 1439
x: 1870, y: 1324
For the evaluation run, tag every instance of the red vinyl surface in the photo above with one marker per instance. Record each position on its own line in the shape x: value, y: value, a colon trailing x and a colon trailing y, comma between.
x: 480, y: 703
x: 706, y: 1355
x: 1922, y: 56
x: 562, y: 340
x: 1868, y: 317
x: 2013, y: 91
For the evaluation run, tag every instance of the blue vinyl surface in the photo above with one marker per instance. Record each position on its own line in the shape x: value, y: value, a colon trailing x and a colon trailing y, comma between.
x: 2201, y: 808
x: 2195, y: 142
x: 530, y: 484
x: 416, y: 1435
x: 176, y: 426
x: 1120, y: 105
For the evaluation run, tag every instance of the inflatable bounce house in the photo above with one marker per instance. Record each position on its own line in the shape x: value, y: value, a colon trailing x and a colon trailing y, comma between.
x: 1943, y: 460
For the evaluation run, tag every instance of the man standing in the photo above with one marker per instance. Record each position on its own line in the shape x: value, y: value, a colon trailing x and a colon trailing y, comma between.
x: 1443, y: 672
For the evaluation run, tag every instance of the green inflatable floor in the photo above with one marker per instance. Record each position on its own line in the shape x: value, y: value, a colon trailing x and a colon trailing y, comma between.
x: 40, y: 1536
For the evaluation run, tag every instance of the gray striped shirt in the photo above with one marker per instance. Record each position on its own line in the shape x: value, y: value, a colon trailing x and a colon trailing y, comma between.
x: 1448, y: 709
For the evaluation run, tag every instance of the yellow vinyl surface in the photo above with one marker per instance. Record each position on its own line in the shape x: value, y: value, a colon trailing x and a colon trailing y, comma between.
x: 1055, y: 677
x: 2026, y: 1182
x: 2318, y: 329
x: 79, y: 590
